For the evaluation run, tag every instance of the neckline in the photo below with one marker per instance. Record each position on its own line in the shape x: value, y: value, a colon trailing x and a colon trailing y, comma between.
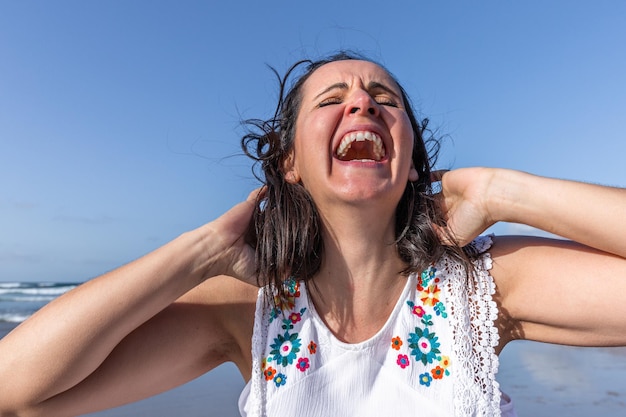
x: 410, y: 282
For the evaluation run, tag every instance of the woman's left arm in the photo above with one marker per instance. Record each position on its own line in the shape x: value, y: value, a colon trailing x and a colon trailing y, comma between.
x: 561, y: 291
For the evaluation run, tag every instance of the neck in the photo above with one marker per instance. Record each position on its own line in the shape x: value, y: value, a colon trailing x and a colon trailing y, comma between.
x: 360, y: 278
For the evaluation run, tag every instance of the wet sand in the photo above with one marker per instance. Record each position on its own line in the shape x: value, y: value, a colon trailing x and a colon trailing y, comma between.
x: 550, y: 380
x: 543, y: 380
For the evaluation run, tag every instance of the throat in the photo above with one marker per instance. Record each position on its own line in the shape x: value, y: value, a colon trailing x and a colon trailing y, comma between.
x: 356, y: 315
x: 359, y: 151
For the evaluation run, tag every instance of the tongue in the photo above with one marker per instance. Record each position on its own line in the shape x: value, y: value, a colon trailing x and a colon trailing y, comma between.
x: 359, y: 150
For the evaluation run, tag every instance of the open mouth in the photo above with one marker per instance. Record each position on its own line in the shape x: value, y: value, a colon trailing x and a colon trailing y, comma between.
x: 361, y: 146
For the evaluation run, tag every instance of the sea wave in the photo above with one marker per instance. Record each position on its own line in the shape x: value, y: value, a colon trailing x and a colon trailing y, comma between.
x: 19, y: 300
x: 36, y: 287
x: 54, y: 291
x: 13, y: 317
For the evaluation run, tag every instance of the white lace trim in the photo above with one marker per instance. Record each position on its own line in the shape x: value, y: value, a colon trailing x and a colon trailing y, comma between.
x: 473, y: 315
x: 259, y: 340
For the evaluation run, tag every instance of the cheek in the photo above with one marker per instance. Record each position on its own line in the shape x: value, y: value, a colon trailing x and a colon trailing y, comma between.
x: 406, y: 128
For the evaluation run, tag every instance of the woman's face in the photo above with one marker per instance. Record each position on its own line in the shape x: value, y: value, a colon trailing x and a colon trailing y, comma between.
x: 353, y: 138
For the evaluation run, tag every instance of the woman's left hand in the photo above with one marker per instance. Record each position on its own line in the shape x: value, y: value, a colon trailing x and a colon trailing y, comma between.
x: 464, y: 202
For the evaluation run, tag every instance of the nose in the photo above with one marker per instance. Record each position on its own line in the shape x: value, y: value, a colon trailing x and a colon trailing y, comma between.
x: 362, y: 103
x: 370, y: 110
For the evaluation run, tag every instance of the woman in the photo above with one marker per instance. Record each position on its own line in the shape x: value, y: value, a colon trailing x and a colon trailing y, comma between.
x: 353, y: 329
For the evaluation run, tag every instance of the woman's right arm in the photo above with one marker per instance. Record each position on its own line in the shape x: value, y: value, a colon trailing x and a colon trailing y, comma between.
x: 121, y: 337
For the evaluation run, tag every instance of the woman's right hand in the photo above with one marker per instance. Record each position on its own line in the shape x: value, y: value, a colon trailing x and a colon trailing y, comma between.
x: 225, y: 238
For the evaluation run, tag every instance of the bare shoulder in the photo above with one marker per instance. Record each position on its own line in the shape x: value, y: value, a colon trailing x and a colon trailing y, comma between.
x: 224, y: 306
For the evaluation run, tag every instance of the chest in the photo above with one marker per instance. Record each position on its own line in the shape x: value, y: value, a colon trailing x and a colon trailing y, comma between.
x: 408, y: 359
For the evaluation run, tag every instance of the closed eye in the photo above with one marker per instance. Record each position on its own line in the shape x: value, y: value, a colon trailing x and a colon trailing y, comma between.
x: 329, y: 101
x: 386, y: 101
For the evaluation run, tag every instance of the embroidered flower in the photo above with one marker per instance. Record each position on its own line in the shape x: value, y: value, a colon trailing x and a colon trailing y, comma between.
x: 415, y: 309
x: 418, y: 311
x: 438, y: 372
x: 280, y: 379
x: 444, y: 362
x: 396, y: 342
x: 269, y: 373
x: 403, y: 361
x: 440, y: 310
x: 302, y: 364
x: 427, y: 275
x: 424, y: 345
x: 285, y: 348
x: 274, y: 313
x: 292, y: 286
x: 295, y: 317
x: 430, y: 295
x: 284, y: 303
x: 425, y: 379
x: 312, y: 347
x: 288, y: 300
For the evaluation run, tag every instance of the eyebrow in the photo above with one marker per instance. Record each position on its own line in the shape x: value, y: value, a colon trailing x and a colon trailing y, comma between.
x: 341, y: 86
x: 373, y: 85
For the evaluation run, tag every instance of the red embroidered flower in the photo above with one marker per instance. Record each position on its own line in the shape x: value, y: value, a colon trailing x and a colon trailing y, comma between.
x: 269, y: 373
x: 403, y: 361
x: 438, y: 372
x: 303, y: 364
x: 396, y: 342
x: 418, y: 311
x: 295, y: 317
x: 312, y: 347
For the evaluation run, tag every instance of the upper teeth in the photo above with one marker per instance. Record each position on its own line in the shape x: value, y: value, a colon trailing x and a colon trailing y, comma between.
x: 347, y: 140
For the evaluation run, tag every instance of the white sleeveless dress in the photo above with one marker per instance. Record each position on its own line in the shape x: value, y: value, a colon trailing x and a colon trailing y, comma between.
x: 434, y: 356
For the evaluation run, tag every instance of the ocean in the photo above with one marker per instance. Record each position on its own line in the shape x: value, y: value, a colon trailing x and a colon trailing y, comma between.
x: 19, y: 300
x: 543, y: 380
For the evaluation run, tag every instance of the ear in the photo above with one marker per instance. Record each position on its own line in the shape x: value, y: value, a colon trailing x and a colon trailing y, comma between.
x: 290, y: 171
x: 413, y: 175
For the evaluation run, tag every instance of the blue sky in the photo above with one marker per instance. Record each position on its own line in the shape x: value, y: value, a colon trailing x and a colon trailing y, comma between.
x: 119, y: 120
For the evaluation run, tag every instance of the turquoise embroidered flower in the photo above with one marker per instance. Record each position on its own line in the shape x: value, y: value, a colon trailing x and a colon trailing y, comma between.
x: 280, y: 379
x: 425, y: 379
x: 424, y: 345
x: 292, y: 287
x: 427, y: 275
x: 285, y: 348
x: 274, y: 313
x: 440, y: 310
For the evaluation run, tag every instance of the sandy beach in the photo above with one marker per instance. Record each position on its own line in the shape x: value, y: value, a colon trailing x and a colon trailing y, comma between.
x: 543, y: 380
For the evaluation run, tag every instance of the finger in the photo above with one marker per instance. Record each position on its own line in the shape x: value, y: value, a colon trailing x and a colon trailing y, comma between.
x: 257, y: 194
x: 250, y: 236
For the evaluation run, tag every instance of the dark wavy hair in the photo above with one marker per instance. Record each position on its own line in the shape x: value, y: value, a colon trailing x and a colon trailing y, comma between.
x: 286, y: 225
